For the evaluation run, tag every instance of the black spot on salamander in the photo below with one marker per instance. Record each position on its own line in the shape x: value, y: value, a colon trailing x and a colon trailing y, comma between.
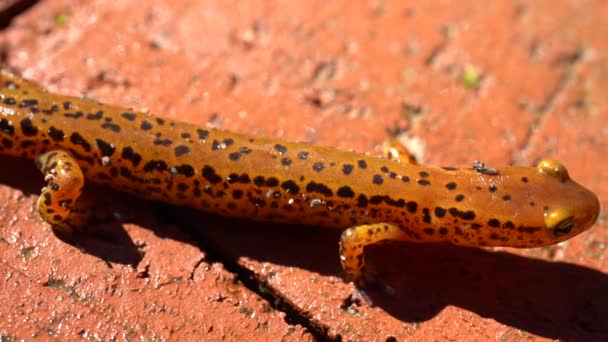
x: 411, y: 206
x: 96, y: 116
x: 272, y: 182
x: 67, y: 105
x: 494, y: 223
x: 228, y: 141
x: 392, y: 175
x: 362, y: 201
x: 291, y: 187
x: 235, y: 178
x: 185, y: 135
x: 10, y: 101
x: 47, y: 198
x: 202, y: 134
x: 459, y: 198
x: 125, y: 172
x: 128, y: 115
x: 76, y: 115
x: 28, y: 128
x: 7, y: 143
x: 286, y: 161
x: 494, y: 236
x: 508, y: 225
x: 162, y: 142
x: 27, y: 143
x: 362, y: 164
x: 112, y: 127
x: 506, y: 198
x: 185, y: 169
x: 209, y: 174
x: 377, y: 179
x: 524, y: 179
x: 423, y: 174
x: 318, y: 166
x: 181, y: 150
x: 532, y: 204
x: 28, y: 103
x: 424, y: 182
x: 451, y: 186
x: 428, y: 231
x: 182, y: 187
x: 346, y: 192
x: 160, y: 121
x: 6, y: 127
x: 261, y: 181
x: 449, y: 168
x: 426, y: 215
x: 237, y: 194
x: 106, y: 148
x: 245, y: 150
x: 319, y: 188
x: 440, y: 212
x: 443, y: 230
x: 155, y: 165
x: 280, y: 148
x: 384, y: 169
x: 347, y: 169
x: 492, y: 188
x: 467, y: 215
x: 77, y: 139
x: 113, y: 172
x: 234, y: 156
x: 405, y: 179
x: 145, y: 125
x: 129, y: 154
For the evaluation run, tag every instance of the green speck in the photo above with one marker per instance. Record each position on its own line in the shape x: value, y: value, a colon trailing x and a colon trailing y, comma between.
x: 61, y: 19
x: 471, y: 77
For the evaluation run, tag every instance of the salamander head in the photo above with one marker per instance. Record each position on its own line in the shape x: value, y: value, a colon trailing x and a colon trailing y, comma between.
x: 570, y: 212
x: 519, y: 207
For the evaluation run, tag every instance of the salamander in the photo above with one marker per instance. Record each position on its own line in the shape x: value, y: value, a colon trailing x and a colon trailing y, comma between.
x: 373, y: 199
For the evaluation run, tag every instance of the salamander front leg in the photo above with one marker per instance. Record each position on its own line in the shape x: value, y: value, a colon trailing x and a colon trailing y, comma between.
x: 395, y: 150
x: 353, y: 242
x: 57, y: 202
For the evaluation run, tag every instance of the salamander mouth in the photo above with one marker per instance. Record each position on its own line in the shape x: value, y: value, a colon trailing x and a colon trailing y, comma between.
x: 564, y: 226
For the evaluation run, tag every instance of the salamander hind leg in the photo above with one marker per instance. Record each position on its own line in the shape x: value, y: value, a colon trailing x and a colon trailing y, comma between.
x: 395, y: 150
x: 65, y: 181
x: 353, y: 242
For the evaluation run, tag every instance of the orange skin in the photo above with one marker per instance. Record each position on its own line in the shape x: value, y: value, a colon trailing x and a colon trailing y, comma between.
x: 230, y: 174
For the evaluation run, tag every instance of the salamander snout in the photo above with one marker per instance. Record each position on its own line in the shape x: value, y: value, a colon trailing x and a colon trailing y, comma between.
x: 576, y: 209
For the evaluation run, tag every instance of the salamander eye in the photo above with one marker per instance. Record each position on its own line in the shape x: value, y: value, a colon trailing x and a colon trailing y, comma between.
x: 554, y: 169
x: 559, y: 221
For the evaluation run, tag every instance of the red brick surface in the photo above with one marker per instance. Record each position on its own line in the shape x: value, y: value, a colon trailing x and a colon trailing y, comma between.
x: 336, y: 73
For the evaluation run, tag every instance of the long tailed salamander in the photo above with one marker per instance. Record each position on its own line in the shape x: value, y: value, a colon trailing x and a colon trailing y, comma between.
x: 373, y: 199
